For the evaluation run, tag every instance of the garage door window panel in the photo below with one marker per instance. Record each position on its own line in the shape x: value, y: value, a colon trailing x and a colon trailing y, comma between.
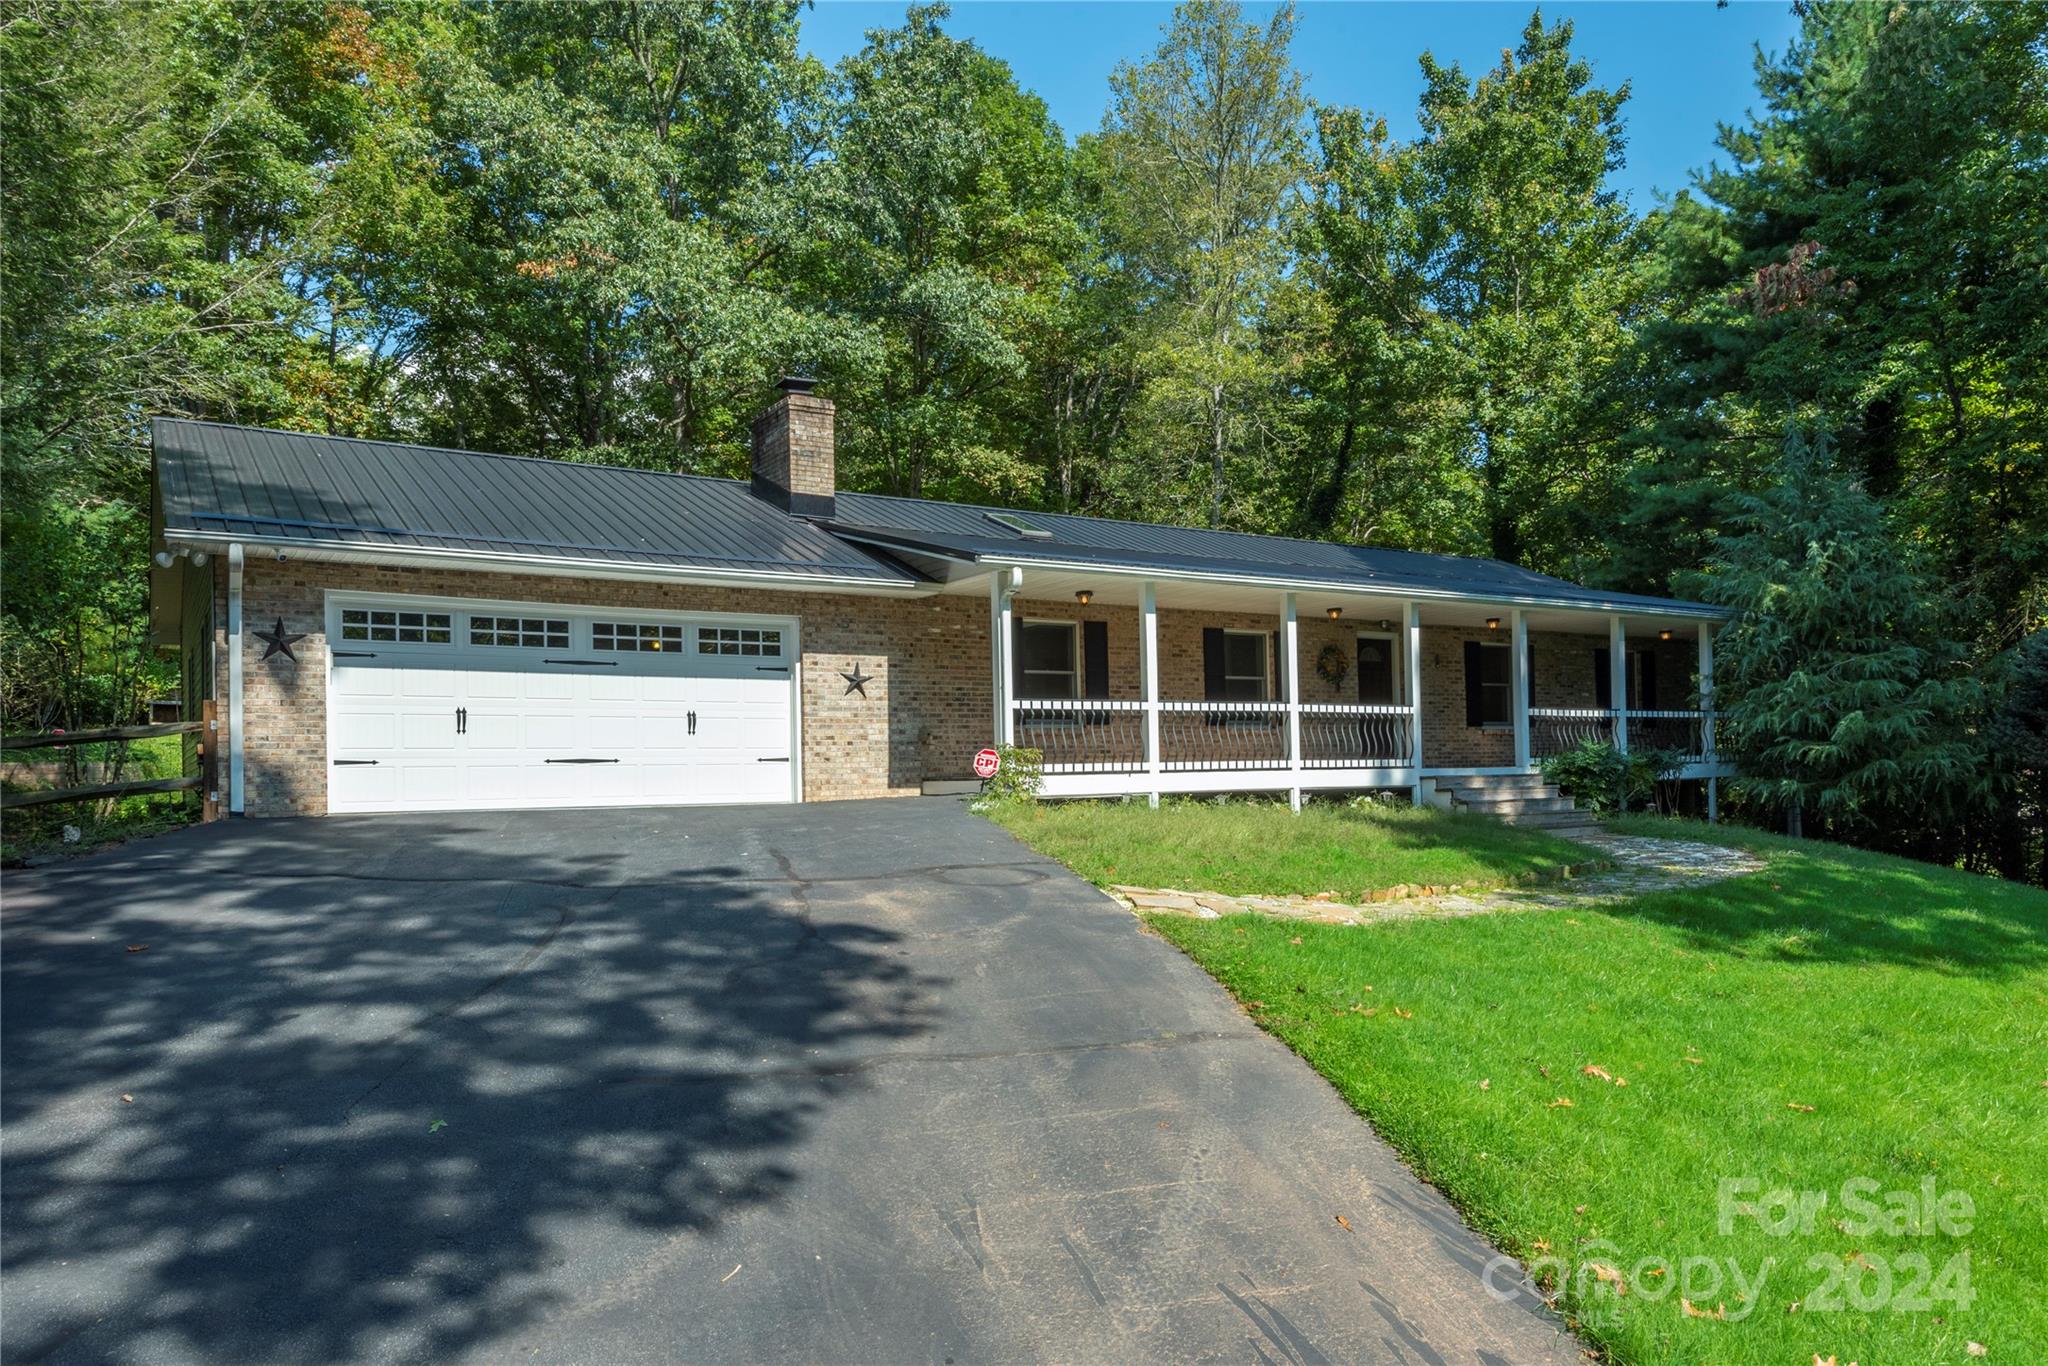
x: 761, y: 642
x: 530, y: 633
x: 396, y: 626
x: 642, y: 637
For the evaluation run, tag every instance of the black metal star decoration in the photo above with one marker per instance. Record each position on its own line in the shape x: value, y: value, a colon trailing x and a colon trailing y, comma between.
x: 280, y: 641
x: 856, y: 682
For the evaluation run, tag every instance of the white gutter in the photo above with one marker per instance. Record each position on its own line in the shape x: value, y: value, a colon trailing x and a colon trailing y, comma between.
x: 492, y: 561
x: 235, y: 562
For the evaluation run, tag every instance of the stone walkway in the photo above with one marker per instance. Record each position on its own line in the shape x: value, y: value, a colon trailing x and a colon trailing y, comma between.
x: 1631, y: 866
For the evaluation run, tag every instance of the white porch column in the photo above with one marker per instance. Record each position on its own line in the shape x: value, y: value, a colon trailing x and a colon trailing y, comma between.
x: 1002, y: 587
x: 1519, y: 675
x: 1617, y: 679
x: 1148, y: 678
x: 1707, y: 719
x: 1411, y: 658
x: 1290, y: 683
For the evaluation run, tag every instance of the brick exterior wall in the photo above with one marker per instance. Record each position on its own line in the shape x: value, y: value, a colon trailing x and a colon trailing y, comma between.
x: 928, y: 708
x: 926, y: 712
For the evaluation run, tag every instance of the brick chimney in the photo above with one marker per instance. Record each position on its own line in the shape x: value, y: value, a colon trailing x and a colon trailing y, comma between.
x: 794, y: 463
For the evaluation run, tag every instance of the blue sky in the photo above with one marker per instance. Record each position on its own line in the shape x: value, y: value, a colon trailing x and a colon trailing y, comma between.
x: 1689, y: 63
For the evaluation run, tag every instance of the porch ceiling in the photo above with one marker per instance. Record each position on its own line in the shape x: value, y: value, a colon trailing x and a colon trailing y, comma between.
x: 1365, y: 610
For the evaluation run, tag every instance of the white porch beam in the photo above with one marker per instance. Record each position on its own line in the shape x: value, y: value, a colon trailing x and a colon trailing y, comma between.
x: 236, y: 561
x: 1148, y: 679
x: 1290, y: 683
x: 1617, y: 679
x: 1519, y: 675
x: 1002, y: 589
x: 1411, y: 659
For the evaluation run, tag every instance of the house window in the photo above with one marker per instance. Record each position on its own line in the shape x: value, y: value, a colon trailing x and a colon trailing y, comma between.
x: 1244, y: 666
x: 739, y: 640
x: 533, y: 633
x: 1048, y: 657
x: 1495, y: 685
x: 405, y: 628
x: 627, y: 635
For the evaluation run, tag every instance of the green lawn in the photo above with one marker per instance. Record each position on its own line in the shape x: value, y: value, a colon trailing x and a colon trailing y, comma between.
x: 1840, y: 1015
x: 1249, y: 847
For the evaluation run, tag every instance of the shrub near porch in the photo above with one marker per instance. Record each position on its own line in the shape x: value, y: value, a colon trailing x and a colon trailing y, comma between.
x: 1839, y: 1016
x: 1246, y: 848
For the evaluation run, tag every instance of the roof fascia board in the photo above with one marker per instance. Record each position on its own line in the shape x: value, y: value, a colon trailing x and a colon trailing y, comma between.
x: 1650, y: 607
x: 478, y: 561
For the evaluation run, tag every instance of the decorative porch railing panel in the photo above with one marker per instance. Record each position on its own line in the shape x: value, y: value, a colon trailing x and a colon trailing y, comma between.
x: 1553, y: 730
x: 1084, y: 736
x: 1339, y: 735
x: 1222, y: 735
x: 1682, y: 732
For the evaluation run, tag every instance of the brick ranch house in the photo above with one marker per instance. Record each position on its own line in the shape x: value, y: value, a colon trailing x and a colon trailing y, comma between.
x: 388, y: 627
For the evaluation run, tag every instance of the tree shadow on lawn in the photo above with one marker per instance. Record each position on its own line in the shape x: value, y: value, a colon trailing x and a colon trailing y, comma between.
x: 1806, y: 909
x: 608, y: 1058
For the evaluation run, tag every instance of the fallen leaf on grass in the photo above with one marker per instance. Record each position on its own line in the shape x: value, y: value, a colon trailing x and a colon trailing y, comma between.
x: 139, y: 948
x: 1486, y: 1084
x: 1603, y: 1074
x: 1795, y: 1105
x: 1540, y: 1244
x: 1344, y: 1223
x: 1578, y: 1209
x: 1693, y: 1311
x: 1691, y: 1059
x: 1561, y: 1103
x: 1544, y: 1070
x: 1611, y: 1275
x: 1404, y: 1014
x: 1977, y: 1349
x: 1295, y: 940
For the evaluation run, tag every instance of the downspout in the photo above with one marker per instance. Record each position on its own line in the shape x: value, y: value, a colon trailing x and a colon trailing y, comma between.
x: 235, y: 560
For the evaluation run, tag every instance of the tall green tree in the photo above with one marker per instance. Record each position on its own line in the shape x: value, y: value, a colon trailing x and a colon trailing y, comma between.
x: 954, y: 225
x: 1841, y: 692
x: 1201, y: 147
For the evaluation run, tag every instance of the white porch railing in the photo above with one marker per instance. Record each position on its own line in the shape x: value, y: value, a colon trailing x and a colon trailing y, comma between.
x: 1553, y: 730
x: 1105, y: 736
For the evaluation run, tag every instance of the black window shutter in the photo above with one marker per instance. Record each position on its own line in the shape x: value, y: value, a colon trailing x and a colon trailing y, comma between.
x: 1212, y: 663
x: 1603, y: 681
x: 1095, y: 659
x: 1648, y: 687
x: 1279, y: 670
x: 1475, y: 710
x: 1016, y: 656
x: 1530, y: 655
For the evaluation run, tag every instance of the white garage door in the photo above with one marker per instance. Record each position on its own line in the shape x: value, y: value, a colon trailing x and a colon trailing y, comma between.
x: 435, y: 706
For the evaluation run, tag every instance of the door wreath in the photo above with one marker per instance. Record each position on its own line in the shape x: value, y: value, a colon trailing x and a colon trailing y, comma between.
x: 1332, y: 665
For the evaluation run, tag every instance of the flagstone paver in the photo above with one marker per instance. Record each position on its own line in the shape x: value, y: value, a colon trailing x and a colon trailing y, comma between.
x: 1634, y: 865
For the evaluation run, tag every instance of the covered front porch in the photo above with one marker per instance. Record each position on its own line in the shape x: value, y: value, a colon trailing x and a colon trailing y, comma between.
x: 1140, y: 684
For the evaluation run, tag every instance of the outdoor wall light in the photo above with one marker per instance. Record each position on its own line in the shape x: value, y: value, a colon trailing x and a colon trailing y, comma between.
x: 1386, y: 625
x: 1493, y: 623
x: 1334, y: 612
x: 1085, y: 596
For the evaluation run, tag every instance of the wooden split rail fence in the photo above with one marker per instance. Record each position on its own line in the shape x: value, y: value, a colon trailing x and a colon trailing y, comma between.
x: 204, y: 781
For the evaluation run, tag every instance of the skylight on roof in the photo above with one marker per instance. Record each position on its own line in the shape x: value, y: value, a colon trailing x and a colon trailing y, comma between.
x: 1013, y: 522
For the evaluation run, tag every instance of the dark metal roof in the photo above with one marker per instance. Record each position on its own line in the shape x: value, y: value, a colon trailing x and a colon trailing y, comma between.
x: 258, y: 484
x: 964, y: 531
x: 294, y: 486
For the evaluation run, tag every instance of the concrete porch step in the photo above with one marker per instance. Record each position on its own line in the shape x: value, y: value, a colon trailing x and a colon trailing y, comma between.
x: 1571, y: 817
x: 1512, y: 804
x: 1495, y: 782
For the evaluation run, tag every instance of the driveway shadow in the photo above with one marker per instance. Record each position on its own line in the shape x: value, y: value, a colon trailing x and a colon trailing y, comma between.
x: 347, y: 1096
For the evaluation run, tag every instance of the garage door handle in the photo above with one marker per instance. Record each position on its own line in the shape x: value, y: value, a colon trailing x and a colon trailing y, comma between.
x: 339, y: 763
x: 353, y: 654
x: 771, y: 668
x: 783, y: 760
x: 593, y: 663
x: 581, y: 761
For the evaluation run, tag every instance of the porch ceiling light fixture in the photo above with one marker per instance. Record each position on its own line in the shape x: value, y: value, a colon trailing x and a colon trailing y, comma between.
x: 1493, y: 623
x: 1664, y: 634
x: 1334, y: 612
x: 1085, y: 596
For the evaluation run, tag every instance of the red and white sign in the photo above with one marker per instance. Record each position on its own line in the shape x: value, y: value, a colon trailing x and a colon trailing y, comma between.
x: 986, y: 763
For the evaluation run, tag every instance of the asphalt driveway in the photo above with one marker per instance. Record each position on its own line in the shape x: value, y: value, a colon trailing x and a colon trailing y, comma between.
x: 849, y: 1082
